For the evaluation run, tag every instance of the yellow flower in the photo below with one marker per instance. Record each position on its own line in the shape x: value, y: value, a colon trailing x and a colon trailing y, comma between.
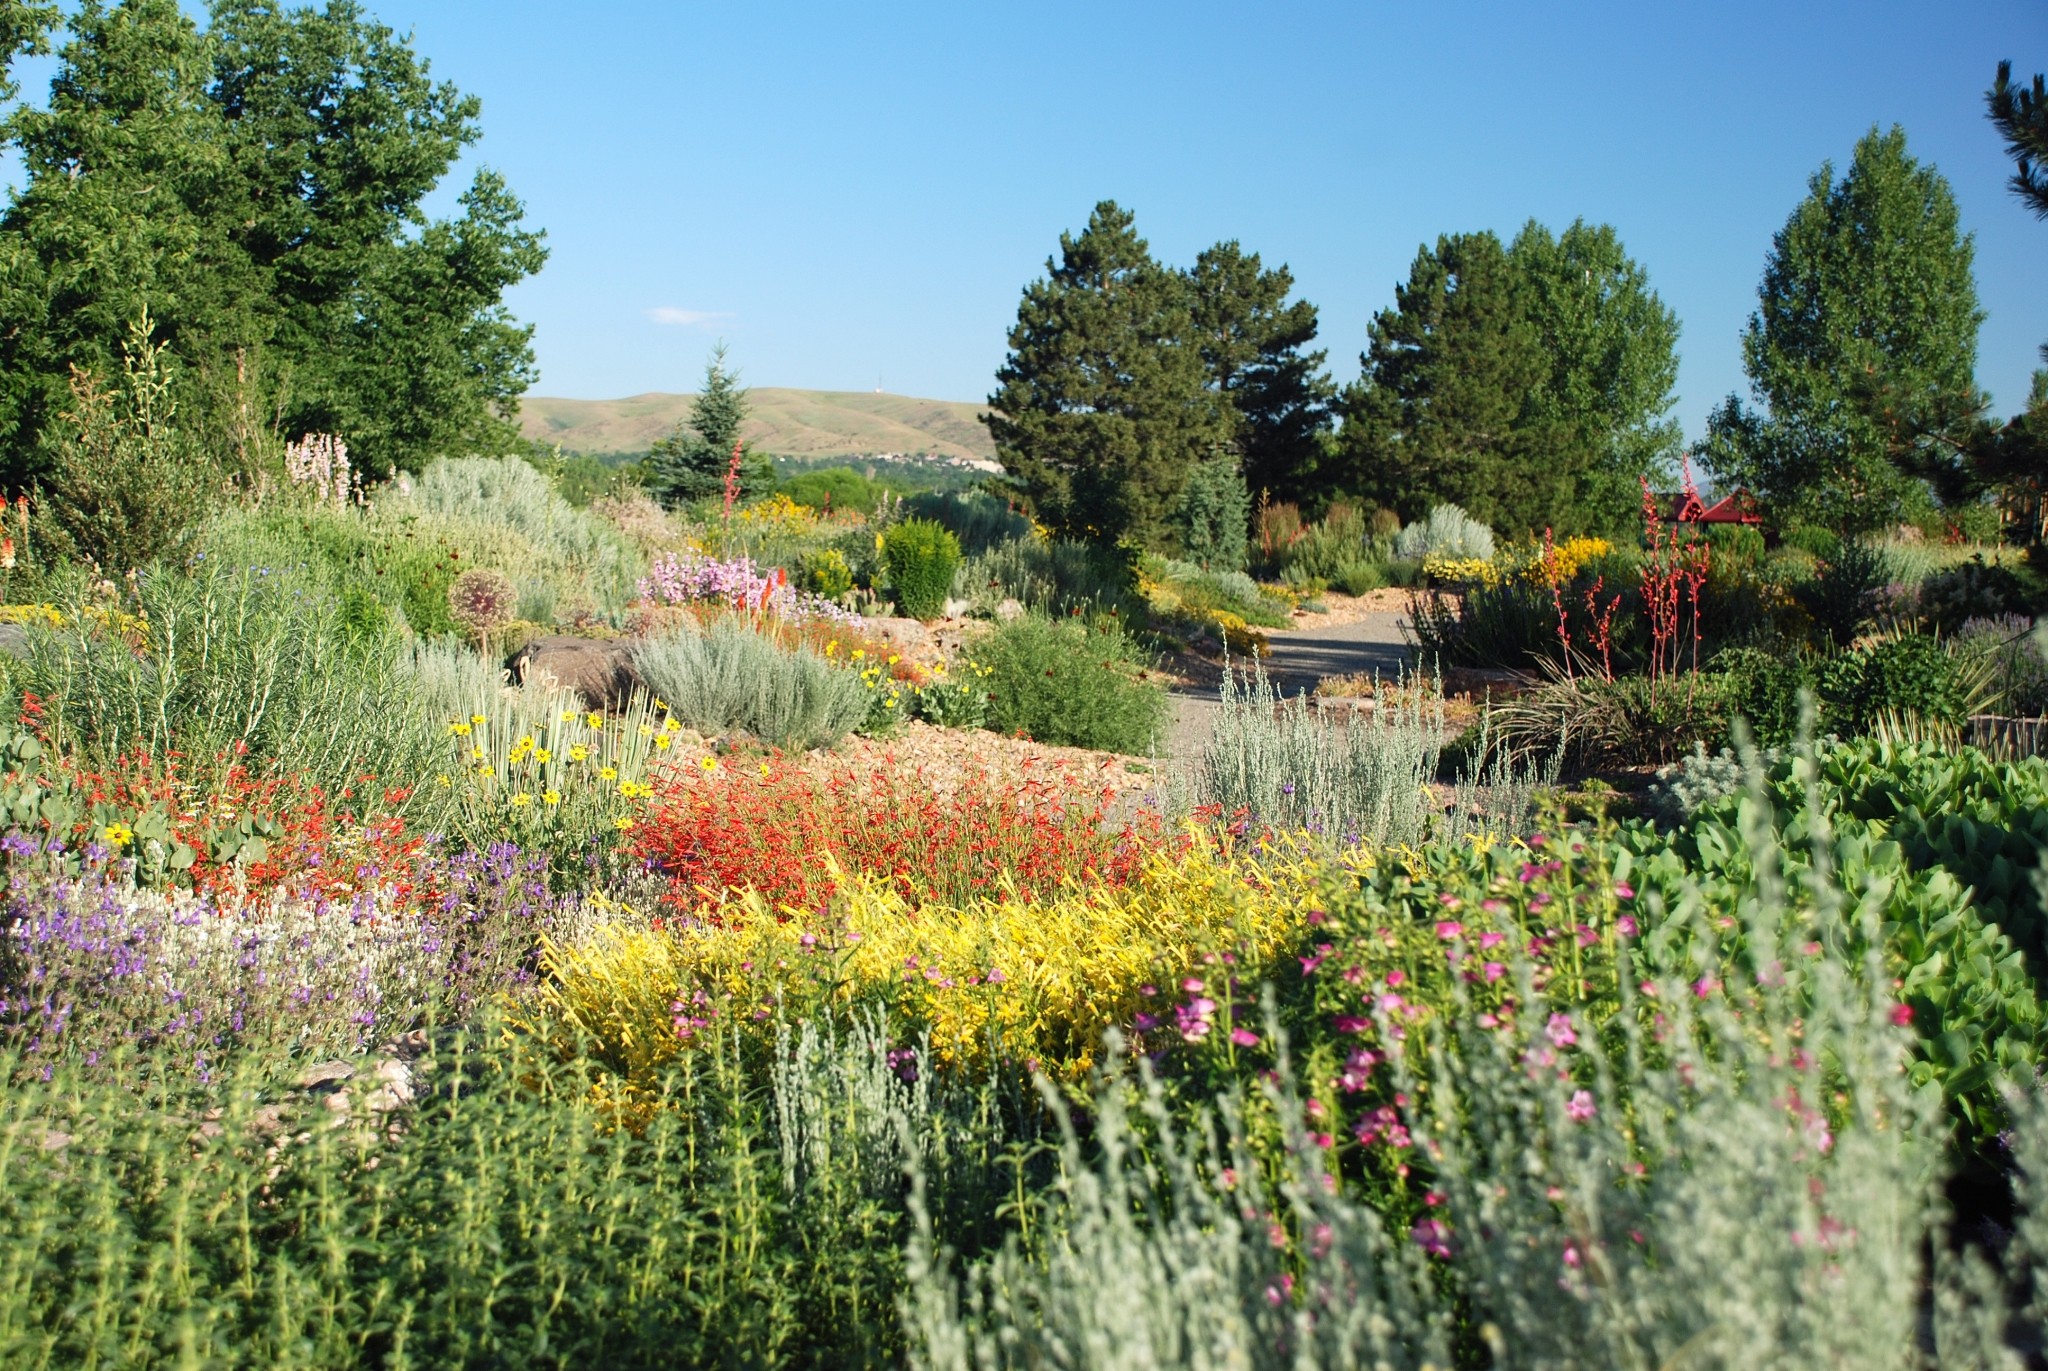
x: 858, y: 653
x: 661, y: 705
x: 459, y: 730
x: 476, y: 754
x: 485, y: 770
x: 594, y: 719
x: 622, y: 823
x: 609, y: 773
x: 895, y: 657
x: 709, y: 764
x: 477, y: 719
x: 118, y: 834
x: 543, y: 756
x: 567, y: 715
x: 661, y: 741
x: 525, y: 744
x: 579, y: 753
x: 832, y: 648
x: 553, y: 797
x: 646, y: 732
x: 521, y: 800
x: 764, y: 771
x: 443, y: 779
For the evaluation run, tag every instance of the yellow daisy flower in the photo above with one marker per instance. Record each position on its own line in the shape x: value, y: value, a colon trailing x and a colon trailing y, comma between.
x: 553, y: 797
x: 521, y: 800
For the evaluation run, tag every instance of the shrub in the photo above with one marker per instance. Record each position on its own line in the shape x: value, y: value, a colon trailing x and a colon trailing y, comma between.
x: 731, y: 677
x: 1447, y: 531
x: 1591, y: 723
x: 2011, y: 649
x: 1063, y: 683
x: 1764, y: 689
x: 823, y: 572
x: 1975, y: 589
x: 1845, y: 594
x: 1053, y: 578
x: 1509, y: 624
x: 1906, y: 677
x: 980, y: 521
x: 1288, y: 767
x: 921, y: 556
x: 1215, y: 509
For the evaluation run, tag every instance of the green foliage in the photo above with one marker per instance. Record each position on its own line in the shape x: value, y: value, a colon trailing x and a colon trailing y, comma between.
x: 1592, y: 724
x: 835, y: 488
x: 823, y: 571
x: 1215, y: 509
x: 259, y: 186
x: 692, y: 460
x: 1506, y: 625
x: 1975, y: 589
x: 2021, y: 118
x: 249, y: 665
x: 1253, y: 343
x: 1909, y: 676
x: 1098, y: 413
x: 1763, y: 688
x: 732, y: 677
x: 127, y: 484
x: 980, y: 520
x: 1058, y: 579
x: 1288, y: 766
x: 1064, y: 683
x: 922, y: 557
x: 1844, y: 596
x: 1447, y: 531
x: 1528, y: 385
x: 1868, y: 388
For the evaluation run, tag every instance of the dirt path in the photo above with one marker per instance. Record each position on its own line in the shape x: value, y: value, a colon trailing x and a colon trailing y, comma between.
x: 1358, y: 636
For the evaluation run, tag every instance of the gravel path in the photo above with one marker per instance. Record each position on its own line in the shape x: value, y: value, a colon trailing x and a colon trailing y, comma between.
x: 1365, y: 639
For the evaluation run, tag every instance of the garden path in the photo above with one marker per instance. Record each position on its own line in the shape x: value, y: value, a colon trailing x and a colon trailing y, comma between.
x: 1367, y: 639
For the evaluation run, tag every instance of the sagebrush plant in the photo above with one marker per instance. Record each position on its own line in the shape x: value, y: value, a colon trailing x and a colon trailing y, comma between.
x: 1290, y: 766
x: 1062, y: 682
x: 732, y: 677
x: 509, y: 492
x: 1446, y: 531
x: 922, y: 557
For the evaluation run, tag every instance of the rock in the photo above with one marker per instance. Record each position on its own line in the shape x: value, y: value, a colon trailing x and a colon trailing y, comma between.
x: 323, y: 1077
x: 907, y: 636
x: 601, y: 672
x: 14, y: 641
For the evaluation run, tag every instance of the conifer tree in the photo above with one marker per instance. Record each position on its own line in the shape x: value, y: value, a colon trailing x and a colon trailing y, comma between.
x: 1101, y: 408
x: 1862, y: 352
x: 1254, y: 342
x: 1443, y: 411
x: 2021, y: 116
x: 691, y: 461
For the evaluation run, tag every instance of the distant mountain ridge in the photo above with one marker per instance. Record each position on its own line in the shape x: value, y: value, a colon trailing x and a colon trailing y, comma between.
x: 793, y: 423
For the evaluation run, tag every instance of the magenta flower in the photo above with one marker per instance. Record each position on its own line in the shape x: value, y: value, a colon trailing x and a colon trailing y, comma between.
x: 1625, y: 926
x: 1489, y: 941
x: 1624, y: 890
x: 1351, y: 1023
x: 1448, y: 929
x: 1580, y: 1108
x: 1244, y: 1037
x: 1560, y: 1031
x: 1493, y: 972
x: 1432, y: 1236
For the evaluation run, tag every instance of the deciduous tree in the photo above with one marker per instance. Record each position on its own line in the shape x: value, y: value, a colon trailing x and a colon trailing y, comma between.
x: 1862, y: 352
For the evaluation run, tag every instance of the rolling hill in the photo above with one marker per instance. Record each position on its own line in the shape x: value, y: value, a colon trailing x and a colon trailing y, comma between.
x: 793, y: 423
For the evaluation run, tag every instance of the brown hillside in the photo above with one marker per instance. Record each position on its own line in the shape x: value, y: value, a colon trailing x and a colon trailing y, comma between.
x: 795, y: 423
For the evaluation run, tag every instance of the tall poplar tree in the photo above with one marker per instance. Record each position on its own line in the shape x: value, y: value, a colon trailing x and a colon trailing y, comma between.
x: 1255, y: 343
x: 1611, y: 346
x: 1862, y: 353
x: 1444, y: 408
x: 1101, y: 407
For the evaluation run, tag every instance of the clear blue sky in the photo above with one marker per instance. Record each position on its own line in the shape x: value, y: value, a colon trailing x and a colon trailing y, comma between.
x: 857, y: 193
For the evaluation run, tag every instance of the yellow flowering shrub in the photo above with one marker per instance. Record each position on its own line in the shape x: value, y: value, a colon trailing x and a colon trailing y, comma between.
x: 1463, y: 571
x: 778, y: 513
x: 1034, y: 983
x: 131, y: 626
x: 1531, y: 565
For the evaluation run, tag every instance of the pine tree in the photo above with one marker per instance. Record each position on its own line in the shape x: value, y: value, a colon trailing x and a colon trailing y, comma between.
x: 1612, y: 348
x: 1254, y: 342
x: 691, y: 461
x: 1443, y: 411
x: 2021, y: 117
x: 1101, y: 407
x: 1862, y: 352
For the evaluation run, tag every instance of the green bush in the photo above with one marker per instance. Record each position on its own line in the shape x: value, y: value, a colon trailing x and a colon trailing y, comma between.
x: 824, y: 571
x: 1845, y: 594
x: 836, y: 488
x: 1763, y: 688
x: 922, y: 556
x: 1975, y: 589
x: 1064, y: 683
x: 1215, y: 515
x: 978, y: 519
x: 731, y: 677
x: 1053, y: 578
x: 1908, y: 677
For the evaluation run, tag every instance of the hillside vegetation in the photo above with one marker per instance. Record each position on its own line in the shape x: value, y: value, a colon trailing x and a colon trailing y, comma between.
x: 797, y: 423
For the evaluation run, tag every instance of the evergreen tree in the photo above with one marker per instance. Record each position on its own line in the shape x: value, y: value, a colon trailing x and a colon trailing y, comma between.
x: 1445, y: 409
x: 2014, y: 458
x: 1862, y: 352
x: 258, y: 188
x: 1612, y: 349
x: 1254, y: 343
x: 1101, y: 408
x: 2021, y: 117
x: 691, y: 461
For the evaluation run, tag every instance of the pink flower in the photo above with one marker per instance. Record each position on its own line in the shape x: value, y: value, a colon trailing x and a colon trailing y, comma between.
x: 1395, y: 978
x: 1705, y: 986
x: 996, y: 976
x: 1571, y: 1255
x: 1625, y: 926
x: 1493, y: 907
x: 1244, y: 1037
x: 1624, y: 890
x: 1560, y: 1031
x: 1580, y: 1108
x: 1493, y: 972
x: 1449, y: 901
x: 1449, y: 929
x: 1489, y: 941
x: 1192, y: 985
x: 1432, y: 1236
x: 1902, y: 1014
x: 1351, y: 1023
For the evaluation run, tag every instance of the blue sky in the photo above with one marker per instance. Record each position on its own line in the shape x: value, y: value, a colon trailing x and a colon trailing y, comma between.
x: 853, y: 194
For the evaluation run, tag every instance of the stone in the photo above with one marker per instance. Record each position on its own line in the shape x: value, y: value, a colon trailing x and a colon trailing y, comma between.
x: 600, y: 672
x: 322, y: 1077
x: 14, y: 641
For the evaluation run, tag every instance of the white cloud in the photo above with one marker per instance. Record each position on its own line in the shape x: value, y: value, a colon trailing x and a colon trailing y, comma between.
x: 669, y: 314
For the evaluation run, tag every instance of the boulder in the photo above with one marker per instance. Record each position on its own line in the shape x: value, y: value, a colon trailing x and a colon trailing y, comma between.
x: 601, y: 672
